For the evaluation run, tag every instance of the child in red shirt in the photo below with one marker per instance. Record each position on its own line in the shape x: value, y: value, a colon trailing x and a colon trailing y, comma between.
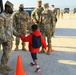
x: 32, y: 50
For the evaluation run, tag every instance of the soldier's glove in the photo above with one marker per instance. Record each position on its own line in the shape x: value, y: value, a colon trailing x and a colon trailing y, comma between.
x: 5, y: 43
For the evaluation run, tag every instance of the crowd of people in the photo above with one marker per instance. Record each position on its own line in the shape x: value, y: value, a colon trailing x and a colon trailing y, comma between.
x: 44, y: 25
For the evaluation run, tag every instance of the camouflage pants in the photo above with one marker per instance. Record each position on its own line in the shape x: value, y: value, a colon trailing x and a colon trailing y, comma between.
x: 21, y: 31
x: 62, y: 15
x: 58, y: 15
x: 41, y: 28
x: 54, y: 26
x: 47, y: 32
x: 6, y: 53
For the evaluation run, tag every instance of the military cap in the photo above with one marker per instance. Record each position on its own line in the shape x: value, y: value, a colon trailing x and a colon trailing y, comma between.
x: 21, y: 5
x: 46, y: 5
x: 9, y: 4
x: 39, y: 1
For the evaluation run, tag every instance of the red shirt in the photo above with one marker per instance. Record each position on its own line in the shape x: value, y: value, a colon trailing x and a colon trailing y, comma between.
x: 29, y: 39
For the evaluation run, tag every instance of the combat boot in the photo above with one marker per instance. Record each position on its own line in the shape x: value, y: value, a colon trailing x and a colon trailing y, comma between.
x: 3, y: 71
x: 16, y: 48
x: 48, y: 53
x: 8, y: 68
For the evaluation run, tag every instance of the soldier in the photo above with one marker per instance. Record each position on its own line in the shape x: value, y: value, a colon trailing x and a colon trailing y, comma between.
x: 6, y: 36
x: 36, y: 13
x: 20, y: 24
x: 62, y: 14
x: 46, y: 19
x: 58, y: 13
x: 54, y: 15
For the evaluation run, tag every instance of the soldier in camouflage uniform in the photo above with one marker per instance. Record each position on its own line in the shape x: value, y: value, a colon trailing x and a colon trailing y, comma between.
x: 54, y: 15
x: 46, y: 19
x: 58, y: 13
x: 6, y: 36
x: 35, y: 15
x: 20, y: 24
x: 62, y: 14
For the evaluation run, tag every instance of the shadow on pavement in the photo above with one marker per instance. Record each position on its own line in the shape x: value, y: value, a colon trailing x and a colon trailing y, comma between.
x: 65, y: 32
x: 65, y: 47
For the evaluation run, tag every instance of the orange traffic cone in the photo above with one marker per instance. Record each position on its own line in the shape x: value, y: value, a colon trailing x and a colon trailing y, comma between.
x: 51, y: 50
x: 19, y: 67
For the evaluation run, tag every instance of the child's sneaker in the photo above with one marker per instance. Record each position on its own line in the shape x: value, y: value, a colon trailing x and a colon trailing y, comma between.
x: 32, y: 64
x: 37, y: 70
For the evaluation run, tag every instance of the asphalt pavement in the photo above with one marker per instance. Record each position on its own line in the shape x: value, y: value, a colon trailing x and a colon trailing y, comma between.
x: 60, y: 62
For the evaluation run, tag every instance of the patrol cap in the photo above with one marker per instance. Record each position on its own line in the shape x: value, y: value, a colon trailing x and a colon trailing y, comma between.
x: 21, y: 6
x: 39, y: 1
x: 46, y: 5
x: 9, y: 4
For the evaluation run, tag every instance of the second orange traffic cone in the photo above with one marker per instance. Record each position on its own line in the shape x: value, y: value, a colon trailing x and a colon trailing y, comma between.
x: 51, y: 50
x: 19, y: 67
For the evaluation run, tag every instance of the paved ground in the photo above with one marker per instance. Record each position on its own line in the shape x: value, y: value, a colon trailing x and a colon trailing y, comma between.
x: 62, y: 61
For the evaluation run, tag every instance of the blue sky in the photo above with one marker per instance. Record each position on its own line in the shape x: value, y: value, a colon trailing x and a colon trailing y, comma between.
x: 33, y: 3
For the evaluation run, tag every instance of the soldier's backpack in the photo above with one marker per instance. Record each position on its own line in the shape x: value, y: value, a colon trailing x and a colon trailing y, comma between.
x: 36, y: 41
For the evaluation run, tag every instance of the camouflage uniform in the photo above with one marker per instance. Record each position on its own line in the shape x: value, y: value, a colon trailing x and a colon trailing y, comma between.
x: 54, y: 18
x: 58, y: 13
x: 46, y: 19
x: 36, y: 13
x: 62, y: 14
x: 20, y: 24
x: 6, y: 34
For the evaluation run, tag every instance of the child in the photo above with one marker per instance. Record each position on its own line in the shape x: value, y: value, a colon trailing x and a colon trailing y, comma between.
x: 34, y: 51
